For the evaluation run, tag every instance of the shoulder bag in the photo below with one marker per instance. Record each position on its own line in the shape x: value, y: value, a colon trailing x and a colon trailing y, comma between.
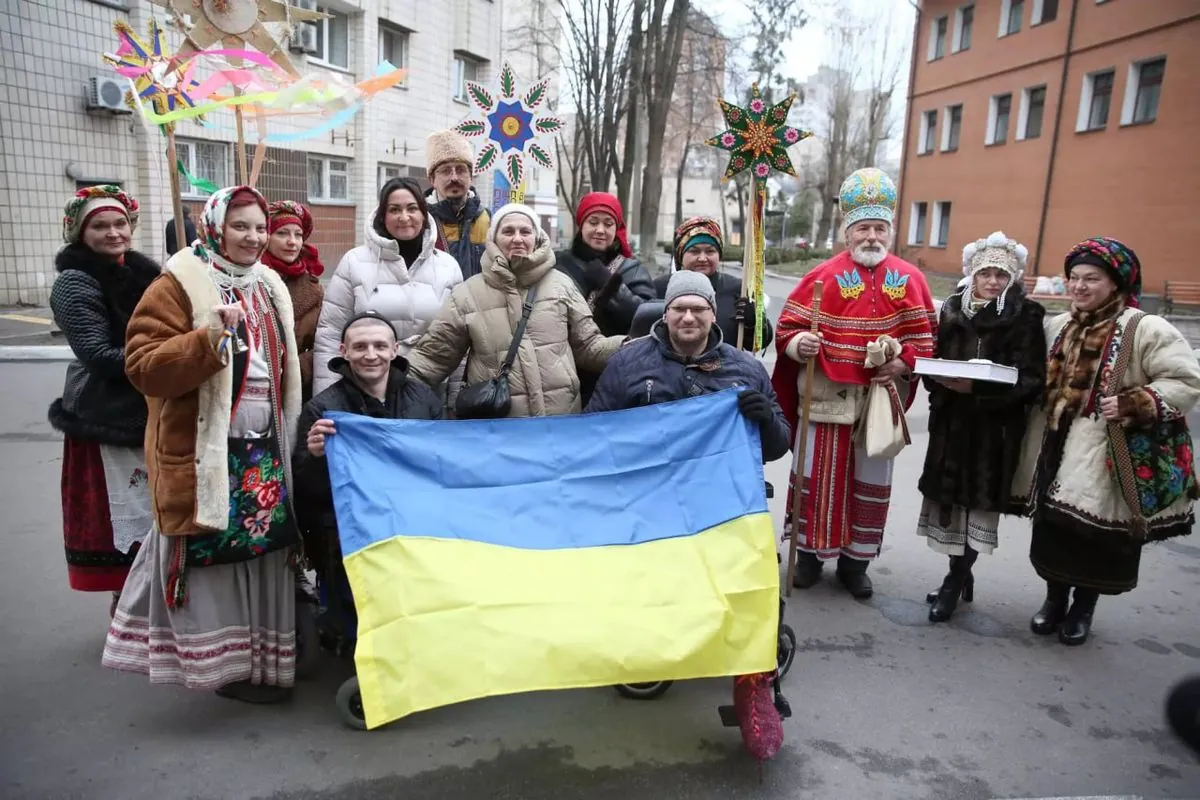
x: 491, y: 399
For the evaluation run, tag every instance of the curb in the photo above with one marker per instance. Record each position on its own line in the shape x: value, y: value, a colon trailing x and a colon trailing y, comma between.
x: 35, y: 353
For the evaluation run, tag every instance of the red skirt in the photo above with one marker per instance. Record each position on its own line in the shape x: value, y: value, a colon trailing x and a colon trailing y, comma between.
x: 93, y: 563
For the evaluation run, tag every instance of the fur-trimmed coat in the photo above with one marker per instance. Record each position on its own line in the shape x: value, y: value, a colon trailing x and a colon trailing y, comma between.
x: 975, y: 439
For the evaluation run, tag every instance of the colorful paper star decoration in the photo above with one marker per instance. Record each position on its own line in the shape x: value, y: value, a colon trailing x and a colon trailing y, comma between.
x: 158, y: 78
x: 511, y: 125
x: 758, y: 136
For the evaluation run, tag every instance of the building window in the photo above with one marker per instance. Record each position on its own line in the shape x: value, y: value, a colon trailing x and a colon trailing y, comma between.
x: 937, y: 37
x: 465, y: 69
x: 1033, y: 110
x: 998, y: 116
x: 393, y: 46
x: 206, y: 160
x: 964, y: 22
x: 1044, y: 11
x: 1011, y: 12
x: 328, y: 178
x: 928, y: 132
x: 941, y: 224
x: 917, y: 222
x: 333, y: 39
x: 389, y: 171
x: 952, y: 128
x: 1142, y: 89
x: 1095, y: 101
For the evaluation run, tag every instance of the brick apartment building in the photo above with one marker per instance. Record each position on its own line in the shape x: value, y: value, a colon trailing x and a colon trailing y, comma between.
x: 1054, y: 120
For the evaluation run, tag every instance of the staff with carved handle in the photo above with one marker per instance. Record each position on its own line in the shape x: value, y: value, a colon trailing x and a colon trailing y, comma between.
x: 802, y: 446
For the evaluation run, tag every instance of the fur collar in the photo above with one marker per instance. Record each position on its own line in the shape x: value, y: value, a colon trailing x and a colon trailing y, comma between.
x: 122, y: 285
x: 987, y: 317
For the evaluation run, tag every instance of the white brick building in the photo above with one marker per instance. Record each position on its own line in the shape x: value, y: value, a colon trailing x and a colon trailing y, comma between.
x: 50, y: 144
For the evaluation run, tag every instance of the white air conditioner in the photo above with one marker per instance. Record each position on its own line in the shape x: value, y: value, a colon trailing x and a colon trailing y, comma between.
x: 304, y: 38
x: 107, y: 93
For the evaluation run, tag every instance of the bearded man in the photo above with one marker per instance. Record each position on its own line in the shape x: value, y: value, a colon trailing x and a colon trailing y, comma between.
x: 866, y: 293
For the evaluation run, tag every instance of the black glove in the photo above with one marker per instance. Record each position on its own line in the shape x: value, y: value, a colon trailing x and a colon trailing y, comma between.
x: 755, y: 406
x: 746, y: 315
x: 596, y: 275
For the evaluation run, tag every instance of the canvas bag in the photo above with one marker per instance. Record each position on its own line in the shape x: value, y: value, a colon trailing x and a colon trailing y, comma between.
x: 884, y: 429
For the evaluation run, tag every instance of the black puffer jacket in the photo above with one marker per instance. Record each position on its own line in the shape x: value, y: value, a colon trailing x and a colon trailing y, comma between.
x: 92, y: 300
x: 615, y: 301
x: 728, y: 290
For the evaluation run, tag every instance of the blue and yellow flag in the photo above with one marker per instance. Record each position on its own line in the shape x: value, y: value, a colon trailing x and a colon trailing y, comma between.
x: 490, y: 557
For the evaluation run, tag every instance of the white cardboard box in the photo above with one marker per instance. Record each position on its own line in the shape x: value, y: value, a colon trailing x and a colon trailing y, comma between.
x: 977, y: 369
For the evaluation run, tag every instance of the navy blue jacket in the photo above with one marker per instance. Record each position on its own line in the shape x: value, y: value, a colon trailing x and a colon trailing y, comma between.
x: 647, y: 371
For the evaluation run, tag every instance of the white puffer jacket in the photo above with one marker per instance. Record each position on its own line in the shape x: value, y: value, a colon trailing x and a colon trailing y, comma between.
x: 374, y: 277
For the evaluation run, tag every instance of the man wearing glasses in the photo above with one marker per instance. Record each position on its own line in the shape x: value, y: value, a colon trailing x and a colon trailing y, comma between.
x: 462, y: 220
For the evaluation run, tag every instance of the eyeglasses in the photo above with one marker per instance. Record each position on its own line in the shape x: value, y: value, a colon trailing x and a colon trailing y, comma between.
x: 695, y: 311
x: 452, y: 171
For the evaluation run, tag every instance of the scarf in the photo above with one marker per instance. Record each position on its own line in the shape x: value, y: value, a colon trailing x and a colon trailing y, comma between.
x: 1076, y: 358
x: 465, y: 252
x: 309, y: 261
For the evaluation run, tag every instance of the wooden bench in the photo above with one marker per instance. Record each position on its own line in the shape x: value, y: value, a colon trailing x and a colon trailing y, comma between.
x: 1030, y: 281
x: 1185, y: 293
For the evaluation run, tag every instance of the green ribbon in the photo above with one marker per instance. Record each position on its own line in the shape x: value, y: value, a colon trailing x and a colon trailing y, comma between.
x: 197, y: 183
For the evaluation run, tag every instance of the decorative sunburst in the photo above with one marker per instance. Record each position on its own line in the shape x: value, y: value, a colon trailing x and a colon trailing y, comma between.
x: 758, y: 136
x: 511, y: 124
x: 158, y: 77
x: 237, y: 23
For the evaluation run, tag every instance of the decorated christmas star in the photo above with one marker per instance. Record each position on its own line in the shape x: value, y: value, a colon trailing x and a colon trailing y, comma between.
x: 511, y: 125
x: 758, y: 137
x: 158, y: 78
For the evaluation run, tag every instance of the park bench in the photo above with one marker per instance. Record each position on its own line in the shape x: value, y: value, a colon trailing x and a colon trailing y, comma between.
x: 1186, y: 293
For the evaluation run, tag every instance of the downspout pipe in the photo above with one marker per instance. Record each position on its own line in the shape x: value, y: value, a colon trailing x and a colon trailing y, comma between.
x: 1058, y: 112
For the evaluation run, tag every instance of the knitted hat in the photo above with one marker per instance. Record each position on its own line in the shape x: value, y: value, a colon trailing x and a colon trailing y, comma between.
x: 694, y: 231
x: 540, y: 236
x: 686, y: 282
x: 1115, y: 258
x: 91, y: 200
x: 286, y: 212
x: 867, y: 194
x: 996, y: 251
x: 445, y: 146
x: 603, y: 201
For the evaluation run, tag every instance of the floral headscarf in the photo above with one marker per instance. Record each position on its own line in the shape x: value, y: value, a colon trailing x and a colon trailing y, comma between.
x: 1116, y: 258
x: 88, y: 201
x: 287, y: 212
x: 694, y: 231
x: 210, y: 244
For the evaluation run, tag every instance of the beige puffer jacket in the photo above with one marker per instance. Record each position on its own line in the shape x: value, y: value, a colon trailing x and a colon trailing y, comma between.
x: 481, y: 315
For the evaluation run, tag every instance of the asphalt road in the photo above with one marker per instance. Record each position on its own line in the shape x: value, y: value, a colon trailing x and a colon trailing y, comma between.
x: 887, y: 705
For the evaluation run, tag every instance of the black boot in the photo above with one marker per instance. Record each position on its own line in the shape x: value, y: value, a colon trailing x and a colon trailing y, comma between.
x: 808, y: 570
x: 953, y: 586
x: 968, y: 588
x: 1051, y: 614
x: 1078, y: 623
x: 852, y: 573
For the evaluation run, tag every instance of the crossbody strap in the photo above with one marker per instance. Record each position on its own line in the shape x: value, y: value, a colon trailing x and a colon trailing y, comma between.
x: 1119, y: 444
x: 526, y: 310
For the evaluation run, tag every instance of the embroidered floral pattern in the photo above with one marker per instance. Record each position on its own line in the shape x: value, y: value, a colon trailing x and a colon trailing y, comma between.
x: 1162, y: 465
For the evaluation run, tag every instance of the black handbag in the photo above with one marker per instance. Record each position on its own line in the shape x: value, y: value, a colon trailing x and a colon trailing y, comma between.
x: 491, y: 399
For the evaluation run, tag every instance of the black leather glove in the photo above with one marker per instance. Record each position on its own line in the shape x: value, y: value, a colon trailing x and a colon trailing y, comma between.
x: 746, y: 314
x: 597, y: 275
x: 755, y: 406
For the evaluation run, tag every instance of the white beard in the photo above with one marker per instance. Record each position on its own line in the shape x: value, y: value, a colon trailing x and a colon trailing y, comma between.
x: 868, y: 257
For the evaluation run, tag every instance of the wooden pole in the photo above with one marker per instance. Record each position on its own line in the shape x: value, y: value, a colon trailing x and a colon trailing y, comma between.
x: 802, y: 446
x: 181, y: 241
x: 243, y: 168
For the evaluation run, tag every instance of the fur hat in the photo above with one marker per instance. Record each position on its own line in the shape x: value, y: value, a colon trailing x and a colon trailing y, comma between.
x: 686, y: 282
x: 442, y: 147
x: 89, y: 201
x: 996, y: 251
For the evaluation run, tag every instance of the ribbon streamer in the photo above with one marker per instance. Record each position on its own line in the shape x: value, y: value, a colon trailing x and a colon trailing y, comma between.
x: 196, y: 183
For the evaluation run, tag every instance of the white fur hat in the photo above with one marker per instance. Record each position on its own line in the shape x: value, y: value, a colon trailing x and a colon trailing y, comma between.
x: 996, y: 251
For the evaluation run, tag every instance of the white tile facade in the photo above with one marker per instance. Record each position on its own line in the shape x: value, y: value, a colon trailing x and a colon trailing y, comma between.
x: 48, y: 141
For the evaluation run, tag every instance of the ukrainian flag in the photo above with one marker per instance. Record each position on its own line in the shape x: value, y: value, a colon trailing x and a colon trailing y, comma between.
x: 489, y: 557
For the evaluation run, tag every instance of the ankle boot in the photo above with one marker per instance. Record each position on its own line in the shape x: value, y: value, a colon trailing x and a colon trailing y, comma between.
x: 1078, y: 623
x: 1053, y: 610
x: 808, y: 571
x: 968, y: 588
x: 852, y: 573
x: 953, y: 586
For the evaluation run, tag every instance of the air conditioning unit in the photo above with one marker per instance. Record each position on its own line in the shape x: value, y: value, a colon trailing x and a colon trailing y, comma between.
x: 304, y: 38
x: 108, y: 94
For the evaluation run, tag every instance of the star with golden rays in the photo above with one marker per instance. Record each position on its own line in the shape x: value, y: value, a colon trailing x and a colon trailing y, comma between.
x: 758, y: 136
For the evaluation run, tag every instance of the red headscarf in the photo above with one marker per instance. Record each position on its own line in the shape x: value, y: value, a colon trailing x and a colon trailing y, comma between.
x: 603, y: 201
x: 286, y: 212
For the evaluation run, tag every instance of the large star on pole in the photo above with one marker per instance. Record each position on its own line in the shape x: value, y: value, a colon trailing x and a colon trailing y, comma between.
x: 157, y: 76
x: 758, y: 136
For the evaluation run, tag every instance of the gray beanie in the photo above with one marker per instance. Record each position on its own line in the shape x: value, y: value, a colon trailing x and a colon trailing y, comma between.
x: 687, y: 281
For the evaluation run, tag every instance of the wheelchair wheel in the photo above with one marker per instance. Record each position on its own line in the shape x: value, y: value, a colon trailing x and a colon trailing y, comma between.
x: 643, y: 691
x: 786, y: 652
x: 349, y: 705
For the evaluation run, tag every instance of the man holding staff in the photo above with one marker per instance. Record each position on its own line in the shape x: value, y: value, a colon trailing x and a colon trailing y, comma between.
x: 866, y: 293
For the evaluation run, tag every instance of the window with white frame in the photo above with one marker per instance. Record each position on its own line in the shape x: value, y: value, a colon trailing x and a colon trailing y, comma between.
x: 1044, y: 11
x: 1011, y: 12
x: 328, y: 178
x: 333, y: 39
x: 465, y: 69
x: 389, y: 171
x: 918, y: 220
x: 1095, y: 101
x: 1142, y: 88
x: 928, y: 132
x: 952, y: 128
x: 393, y: 46
x: 1032, y: 114
x: 999, y: 113
x: 964, y: 25
x: 941, y: 224
x: 206, y: 160
x: 937, y: 37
